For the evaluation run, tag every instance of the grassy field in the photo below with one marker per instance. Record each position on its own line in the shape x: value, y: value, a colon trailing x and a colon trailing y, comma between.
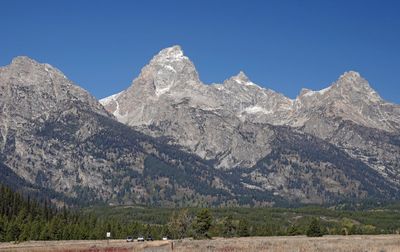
x: 273, y: 221
x: 367, y: 243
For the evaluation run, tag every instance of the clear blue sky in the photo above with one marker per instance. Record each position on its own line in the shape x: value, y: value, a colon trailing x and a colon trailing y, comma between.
x: 282, y: 45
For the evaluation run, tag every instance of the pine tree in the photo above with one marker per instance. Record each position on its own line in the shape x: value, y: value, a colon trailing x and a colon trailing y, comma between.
x: 13, y: 231
x: 293, y: 230
x: 228, y: 227
x: 202, y: 225
x: 314, y: 229
x: 179, y: 224
x: 243, y: 229
x: 2, y: 229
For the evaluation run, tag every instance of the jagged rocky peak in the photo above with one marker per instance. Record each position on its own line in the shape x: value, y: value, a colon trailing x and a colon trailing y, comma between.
x: 352, y: 76
x: 22, y: 60
x: 173, y: 53
x: 350, y: 85
x: 170, y: 68
x: 353, y: 86
x: 24, y: 66
x: 25, y: 82
x: 242, y: 83
x: 168, y: 75
x: 26, y: 72
x: 352, y: 80
x: 173, y: 60
x: 241, y: 78
x: 51, y: 134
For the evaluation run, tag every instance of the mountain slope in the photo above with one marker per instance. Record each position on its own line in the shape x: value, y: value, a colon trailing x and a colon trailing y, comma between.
x: 168, y: 99
x: 183, y: 144
x: 230, y: 122
x: 56, y: 136
x: 351, y: 115
x: 205, y: 118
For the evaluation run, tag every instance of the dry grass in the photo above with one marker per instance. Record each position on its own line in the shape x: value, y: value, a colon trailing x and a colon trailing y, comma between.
x: 387, y: 243
x: 377, y: 243
x: 82, y: 246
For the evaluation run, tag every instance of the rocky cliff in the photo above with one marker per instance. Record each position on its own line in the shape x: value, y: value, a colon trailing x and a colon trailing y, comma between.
x: 171, y: 140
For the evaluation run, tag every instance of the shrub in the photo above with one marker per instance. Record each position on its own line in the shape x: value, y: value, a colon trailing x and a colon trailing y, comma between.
x: 314, y: 229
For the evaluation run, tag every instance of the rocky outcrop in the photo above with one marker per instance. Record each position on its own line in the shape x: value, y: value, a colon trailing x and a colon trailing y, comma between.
x: 171, y: 140
x: 57, y: 139
x: 212, y: 121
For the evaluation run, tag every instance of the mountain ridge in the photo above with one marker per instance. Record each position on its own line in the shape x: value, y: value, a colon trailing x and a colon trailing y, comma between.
x: 348, y: 82
x: 171, y: 140
x: 163, y: 57
x: 188, y: 115
x: 349, y: 98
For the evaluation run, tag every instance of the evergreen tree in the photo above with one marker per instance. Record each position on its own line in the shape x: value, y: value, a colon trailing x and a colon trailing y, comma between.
x: 314, y: 229
x: 2, y: 229
x: 228, y: 227
x: 293, y: 230
x: 179, y: 224
x: 202, y: 224
x: 13, y: 231
x: 243, y: 229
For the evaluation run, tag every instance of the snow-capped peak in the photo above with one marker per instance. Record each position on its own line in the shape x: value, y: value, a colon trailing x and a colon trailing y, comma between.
x: 352, y: 78
x: 241, y: 78
x: 354, y: 81
x: 352, y: 75
x: 173, y: 53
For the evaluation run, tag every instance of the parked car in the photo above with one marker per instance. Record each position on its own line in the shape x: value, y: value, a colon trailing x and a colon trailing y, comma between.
x: 165, y: 238
x: 149, y: 238
x: 140, y: 239
x: 129, y: 239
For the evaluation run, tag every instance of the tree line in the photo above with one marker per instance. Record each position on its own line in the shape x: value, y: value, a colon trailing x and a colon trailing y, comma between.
x: 23, y: 218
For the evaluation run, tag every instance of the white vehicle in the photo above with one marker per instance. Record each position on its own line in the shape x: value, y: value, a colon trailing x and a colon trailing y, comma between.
x: 129, y: 239
x: 140, y: 239
x: 165, y: 238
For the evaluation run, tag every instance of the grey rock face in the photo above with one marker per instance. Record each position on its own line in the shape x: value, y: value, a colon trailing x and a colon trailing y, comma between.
x: 31, y: 95
x: 224, y: 144
x: 30, y: 91
x: 168, y: 99
x: 351, y: 115
x: 351, y: 98
x: 209, y: 120
x: 57, y: 137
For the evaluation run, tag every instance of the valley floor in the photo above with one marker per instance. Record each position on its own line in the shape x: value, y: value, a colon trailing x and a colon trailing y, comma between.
x: 370, y: 243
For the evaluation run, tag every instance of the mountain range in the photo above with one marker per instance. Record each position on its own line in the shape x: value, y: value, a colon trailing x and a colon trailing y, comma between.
x: 171, y: 140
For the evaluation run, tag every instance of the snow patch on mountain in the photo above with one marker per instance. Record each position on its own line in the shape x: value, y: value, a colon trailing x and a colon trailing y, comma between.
x: 257, y: 109
x: 170, y: 68
x: 320, y: 92
x: 111, y: 98
x: 242, y: 79
x: 160, y: 91
x: 170, y: 54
